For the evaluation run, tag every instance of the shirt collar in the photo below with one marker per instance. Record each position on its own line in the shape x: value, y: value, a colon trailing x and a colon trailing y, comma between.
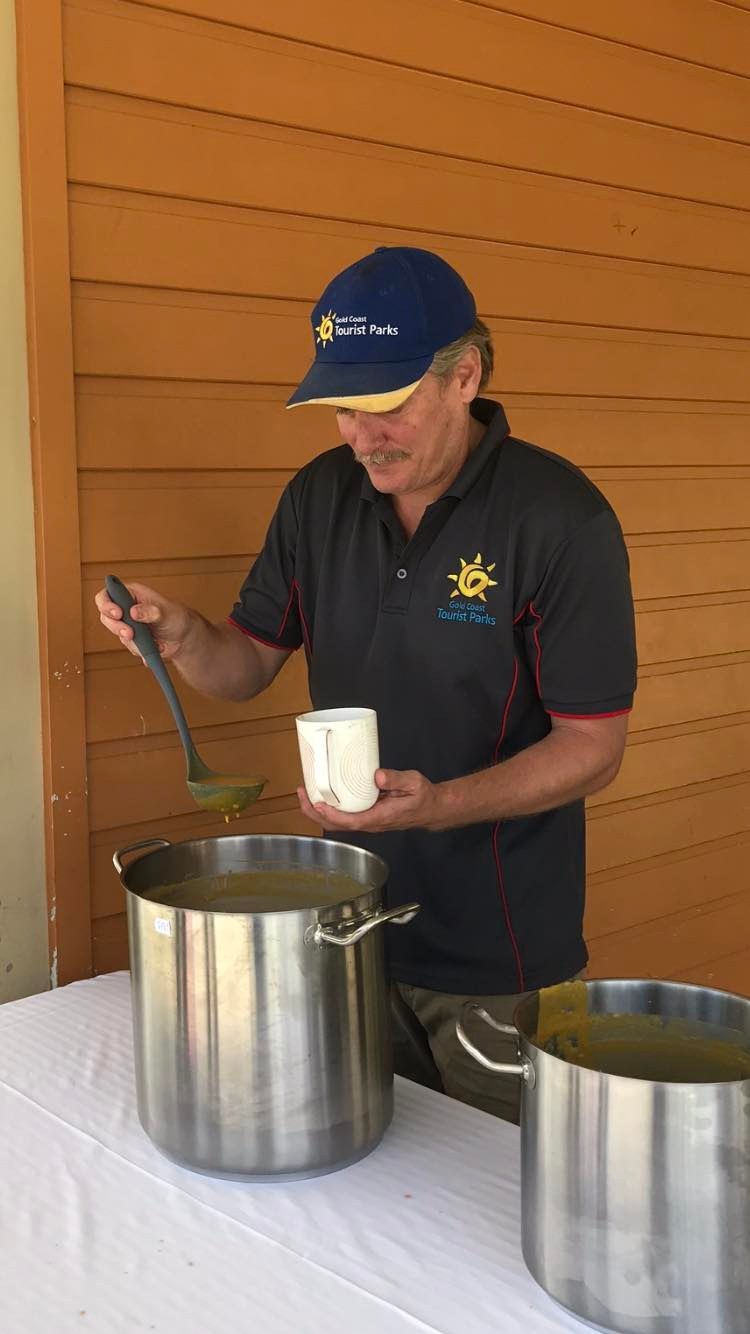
x: 493, y: 417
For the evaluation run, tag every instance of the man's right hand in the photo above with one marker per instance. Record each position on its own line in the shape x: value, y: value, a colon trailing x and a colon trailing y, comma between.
x: 217, y: 660
x: 170, y: 622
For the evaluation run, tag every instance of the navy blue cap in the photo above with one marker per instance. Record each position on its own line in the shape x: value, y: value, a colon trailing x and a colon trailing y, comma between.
x: 378, y: 326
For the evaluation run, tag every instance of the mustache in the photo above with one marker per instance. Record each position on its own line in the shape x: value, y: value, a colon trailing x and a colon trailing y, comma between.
x: 377, y: 456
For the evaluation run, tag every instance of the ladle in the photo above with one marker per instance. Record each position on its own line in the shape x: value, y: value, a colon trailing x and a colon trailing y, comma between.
x: 227, y: 793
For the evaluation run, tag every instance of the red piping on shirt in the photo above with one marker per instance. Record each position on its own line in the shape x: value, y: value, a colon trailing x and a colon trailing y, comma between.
x: 251, y: 634
x: 496, y: 834
x: 303, y: 620
x: 538, y: 673
x: 285, y: 617
x: 506, y: 711
x: 617, y: 713
x: 293, y: 592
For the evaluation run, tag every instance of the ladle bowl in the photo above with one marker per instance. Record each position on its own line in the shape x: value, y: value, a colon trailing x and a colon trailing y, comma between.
x: 228, y: 794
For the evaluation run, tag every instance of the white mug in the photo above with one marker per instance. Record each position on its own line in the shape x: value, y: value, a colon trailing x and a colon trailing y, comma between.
x: 339, y: 753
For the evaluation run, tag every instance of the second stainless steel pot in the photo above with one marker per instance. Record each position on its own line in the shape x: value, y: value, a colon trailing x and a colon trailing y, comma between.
x: 635, y: 1194
x: 262, y: 1040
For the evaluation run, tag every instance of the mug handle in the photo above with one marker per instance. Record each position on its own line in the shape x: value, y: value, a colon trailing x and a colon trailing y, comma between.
x: 322, y: 766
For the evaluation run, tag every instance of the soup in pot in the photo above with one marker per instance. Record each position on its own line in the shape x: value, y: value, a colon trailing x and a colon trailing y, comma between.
x: 261, y: 890
x: 640, y: 1046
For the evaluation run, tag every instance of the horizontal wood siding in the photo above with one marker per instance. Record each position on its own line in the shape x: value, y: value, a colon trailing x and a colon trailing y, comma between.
x: 224, y: 160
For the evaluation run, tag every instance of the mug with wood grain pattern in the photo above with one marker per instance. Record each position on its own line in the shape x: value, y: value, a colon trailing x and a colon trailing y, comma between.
x: 340, y: 755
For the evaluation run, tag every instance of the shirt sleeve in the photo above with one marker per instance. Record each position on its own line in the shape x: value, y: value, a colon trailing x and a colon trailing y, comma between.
x: 580, y: 628
x: 268, y: 606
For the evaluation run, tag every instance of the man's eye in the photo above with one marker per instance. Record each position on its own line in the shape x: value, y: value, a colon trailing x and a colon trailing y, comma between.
x: 343, y: 412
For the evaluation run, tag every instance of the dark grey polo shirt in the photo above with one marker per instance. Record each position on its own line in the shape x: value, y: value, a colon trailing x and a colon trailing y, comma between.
x: 511, y: 603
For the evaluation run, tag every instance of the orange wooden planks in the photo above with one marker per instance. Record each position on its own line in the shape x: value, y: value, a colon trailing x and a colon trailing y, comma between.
x: 223, y: 162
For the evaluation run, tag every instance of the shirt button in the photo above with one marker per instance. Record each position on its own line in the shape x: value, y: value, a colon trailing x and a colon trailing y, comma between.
x: 401, y: 574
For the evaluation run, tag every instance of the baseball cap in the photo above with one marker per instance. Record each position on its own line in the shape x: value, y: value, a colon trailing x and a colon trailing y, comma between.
x: 378, y: 325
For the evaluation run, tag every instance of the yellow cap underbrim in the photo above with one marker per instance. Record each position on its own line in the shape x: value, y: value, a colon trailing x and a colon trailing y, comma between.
x: 366, y: 402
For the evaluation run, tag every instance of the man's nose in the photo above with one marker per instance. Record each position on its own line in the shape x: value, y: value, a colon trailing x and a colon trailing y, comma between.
x: 368, y: 431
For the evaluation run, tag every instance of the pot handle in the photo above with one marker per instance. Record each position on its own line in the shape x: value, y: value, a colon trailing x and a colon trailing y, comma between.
x: 133, y: 847
x: 343, y: 935
x: 524, y: 1069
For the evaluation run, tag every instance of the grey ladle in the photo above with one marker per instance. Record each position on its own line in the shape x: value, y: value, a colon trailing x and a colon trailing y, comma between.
x: 226, y: 793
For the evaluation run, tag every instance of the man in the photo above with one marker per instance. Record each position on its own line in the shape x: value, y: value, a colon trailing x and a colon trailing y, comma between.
x: 474, y: 590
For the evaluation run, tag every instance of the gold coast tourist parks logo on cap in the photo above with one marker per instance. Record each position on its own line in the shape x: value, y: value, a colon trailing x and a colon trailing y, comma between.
x: 325, y: 329
x: 350, y: 326
x: 472, y: 581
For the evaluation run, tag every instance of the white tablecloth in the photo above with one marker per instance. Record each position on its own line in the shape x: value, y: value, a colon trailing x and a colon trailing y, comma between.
x: 101, y: 1234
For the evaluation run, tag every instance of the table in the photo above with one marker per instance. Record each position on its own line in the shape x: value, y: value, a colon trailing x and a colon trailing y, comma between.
x: 99, y: 1234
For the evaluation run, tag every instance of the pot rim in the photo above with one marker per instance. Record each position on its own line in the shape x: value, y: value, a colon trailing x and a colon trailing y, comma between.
x: 299, y: 842
x: 532, y: 1050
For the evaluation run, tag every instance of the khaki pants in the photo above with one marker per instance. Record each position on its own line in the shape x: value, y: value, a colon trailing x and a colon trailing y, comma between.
x: 462, y: 1077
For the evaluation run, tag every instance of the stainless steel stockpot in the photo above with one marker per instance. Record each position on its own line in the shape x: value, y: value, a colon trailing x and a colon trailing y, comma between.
x: 635, y: 1194
x: 262, y: 1040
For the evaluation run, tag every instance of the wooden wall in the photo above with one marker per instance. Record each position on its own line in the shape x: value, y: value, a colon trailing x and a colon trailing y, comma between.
x: 587, y: 169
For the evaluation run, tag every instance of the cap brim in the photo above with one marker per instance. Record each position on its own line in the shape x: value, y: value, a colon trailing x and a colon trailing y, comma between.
x: 365, y: 402
x: 375, y: 387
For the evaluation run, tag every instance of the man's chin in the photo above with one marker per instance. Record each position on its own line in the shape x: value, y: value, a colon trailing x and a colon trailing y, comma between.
x: 389, y: 477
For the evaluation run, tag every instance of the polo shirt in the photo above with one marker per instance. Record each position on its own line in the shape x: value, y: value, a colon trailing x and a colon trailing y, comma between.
x: 511, y: 604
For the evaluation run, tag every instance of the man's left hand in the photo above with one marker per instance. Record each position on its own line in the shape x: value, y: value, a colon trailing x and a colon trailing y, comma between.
x: 407, y: 801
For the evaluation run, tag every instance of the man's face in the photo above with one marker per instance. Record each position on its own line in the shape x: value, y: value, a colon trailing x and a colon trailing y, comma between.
x: 420, y: 444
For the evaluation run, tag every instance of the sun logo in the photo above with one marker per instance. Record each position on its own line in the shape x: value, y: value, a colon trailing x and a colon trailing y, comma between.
x: 473, y: 578
x: 324, y: 330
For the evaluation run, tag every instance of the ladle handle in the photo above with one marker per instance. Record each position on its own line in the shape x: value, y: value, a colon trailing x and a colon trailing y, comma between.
x: 142, y: 636
x: 146, y: 645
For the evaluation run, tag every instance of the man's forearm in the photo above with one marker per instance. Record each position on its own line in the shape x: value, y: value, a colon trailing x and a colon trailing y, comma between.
x: 219, y: 660
x: 565, y: 766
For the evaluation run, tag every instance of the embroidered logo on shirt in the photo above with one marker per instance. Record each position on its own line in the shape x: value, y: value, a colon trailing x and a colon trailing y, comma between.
x: 473, y: 579
x: 472, y: 582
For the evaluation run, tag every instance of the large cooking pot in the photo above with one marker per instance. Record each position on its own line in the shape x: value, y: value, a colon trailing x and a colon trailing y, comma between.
x: 635, y: 1192
x: 262, y: 1040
